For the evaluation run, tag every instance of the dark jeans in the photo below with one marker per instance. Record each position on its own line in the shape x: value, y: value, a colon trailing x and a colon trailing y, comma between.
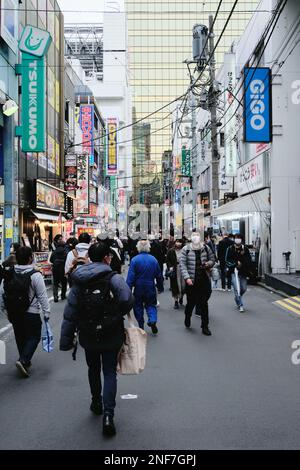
x: 109, y: 366
x: 27, y: 329
x: 225, y: 275
x: 198, y: 297
x: 62, y: 280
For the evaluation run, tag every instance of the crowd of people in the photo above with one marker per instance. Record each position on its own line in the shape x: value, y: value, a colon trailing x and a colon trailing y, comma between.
x: 100, y: 297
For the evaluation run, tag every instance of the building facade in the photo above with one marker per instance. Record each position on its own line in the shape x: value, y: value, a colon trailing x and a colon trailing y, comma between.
x: 9, y: 216
x: 160, y: 39
x: 265, y: 183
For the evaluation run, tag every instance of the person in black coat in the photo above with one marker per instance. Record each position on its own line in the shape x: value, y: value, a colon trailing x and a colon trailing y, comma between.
x: 58, y: 260
x: 157, y: 251
x: 223, y: 246
x: 106, y: 349
x: 239, y: 263
x: 176, y: 279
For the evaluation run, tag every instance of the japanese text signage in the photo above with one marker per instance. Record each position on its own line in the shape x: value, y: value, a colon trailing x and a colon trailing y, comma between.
x: 230, y: 151
x: 82, y: 193
x: 186, y: 162
x: 34, y: 44
x: 49, y: 198
x: 87, y: 127
x: 257, y: 105
x: 253, y: 175
x: 70, y: 173
x: 112, y: 147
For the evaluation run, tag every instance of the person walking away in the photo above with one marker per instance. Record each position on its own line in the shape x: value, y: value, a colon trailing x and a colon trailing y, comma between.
x: 78, y: 256
x: 58, y: 259
x: 71, y: 244
x: 144, y: 270
x: 223, y: 246
x: 156, y: 251
x: 238, y: 261
x: 23, y: 296
x: 97, y: 302
x: 195, y: 263
x: 176, y: 279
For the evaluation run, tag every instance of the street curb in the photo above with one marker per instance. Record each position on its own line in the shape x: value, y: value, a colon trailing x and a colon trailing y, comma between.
x: 274, y: 291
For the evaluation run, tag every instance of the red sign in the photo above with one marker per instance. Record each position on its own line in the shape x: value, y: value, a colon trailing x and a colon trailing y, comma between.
x: 87, y: 127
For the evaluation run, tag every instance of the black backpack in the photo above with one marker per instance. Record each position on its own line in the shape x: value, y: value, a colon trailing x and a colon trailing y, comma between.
x: 16, y: 292
x: 99, y: 313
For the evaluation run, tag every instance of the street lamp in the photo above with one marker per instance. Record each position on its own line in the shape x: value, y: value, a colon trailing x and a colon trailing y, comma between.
x: 10, y: 107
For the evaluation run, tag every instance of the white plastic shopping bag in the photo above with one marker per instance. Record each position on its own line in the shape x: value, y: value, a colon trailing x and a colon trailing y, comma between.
x: 237, y: 280
x: 47, y: 337
x: 132, y: 357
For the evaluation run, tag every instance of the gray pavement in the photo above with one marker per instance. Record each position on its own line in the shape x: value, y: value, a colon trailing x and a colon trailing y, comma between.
x: 235, y: 390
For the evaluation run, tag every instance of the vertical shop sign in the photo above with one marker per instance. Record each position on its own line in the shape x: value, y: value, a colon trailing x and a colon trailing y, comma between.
x: 87, y: 127
x: 34, y: 44
x: 82, y: 194
x: 257, y: 104
x: 186, y: 162
x: 112, y: 147
x: 229, y: 124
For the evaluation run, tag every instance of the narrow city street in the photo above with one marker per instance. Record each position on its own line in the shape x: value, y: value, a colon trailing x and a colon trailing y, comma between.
x: 235, y: 390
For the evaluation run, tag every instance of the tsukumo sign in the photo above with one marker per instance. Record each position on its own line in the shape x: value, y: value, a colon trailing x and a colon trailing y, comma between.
x: 257, y: 104
x: 34, y: 44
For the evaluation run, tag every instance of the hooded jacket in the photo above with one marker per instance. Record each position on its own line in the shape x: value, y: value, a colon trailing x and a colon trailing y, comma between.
x: 37, y: 291
x: 82, y: 249
x: 80, y: 278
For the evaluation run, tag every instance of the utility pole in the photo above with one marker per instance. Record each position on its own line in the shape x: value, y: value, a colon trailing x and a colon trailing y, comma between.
x: 193, y: 157
x: 214, y: 192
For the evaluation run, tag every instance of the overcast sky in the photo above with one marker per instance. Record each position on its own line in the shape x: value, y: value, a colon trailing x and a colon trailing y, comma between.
x: 82, y: 11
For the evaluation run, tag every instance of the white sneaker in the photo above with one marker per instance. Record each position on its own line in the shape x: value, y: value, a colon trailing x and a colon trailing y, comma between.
x: 228, y: 290
x: 224, y: 290
x: 242, y: 309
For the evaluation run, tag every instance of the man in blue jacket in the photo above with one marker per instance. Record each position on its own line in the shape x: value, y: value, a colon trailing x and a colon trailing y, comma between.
x: 143, y: 272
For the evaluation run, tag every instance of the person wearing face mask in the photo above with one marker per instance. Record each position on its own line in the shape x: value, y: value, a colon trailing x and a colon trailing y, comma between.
x: 176, y: 280
x: 195, y: 263
x: 238, y: 261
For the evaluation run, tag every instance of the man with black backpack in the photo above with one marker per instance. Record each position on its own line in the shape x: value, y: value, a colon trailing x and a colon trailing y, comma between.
x: 78, y: 256
x: 23, y: 295
x: 58, y: 259
x: 97, y: 302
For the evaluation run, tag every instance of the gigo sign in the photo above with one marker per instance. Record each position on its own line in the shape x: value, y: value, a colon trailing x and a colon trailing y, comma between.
x: 257, y: 105
x: 34, y: 44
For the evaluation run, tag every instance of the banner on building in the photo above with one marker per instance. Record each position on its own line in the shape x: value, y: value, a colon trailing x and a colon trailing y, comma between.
x: 49, y: 197
x: 70, y: 173
x: 82, y: 193
x: 112, y: 147
x: 257, y: 104
x: 177, y: 196
x: 230, y: 109
x: 33, y: 104
x: 34, y: 44
x: 86, y: 119
x: 185, y: 162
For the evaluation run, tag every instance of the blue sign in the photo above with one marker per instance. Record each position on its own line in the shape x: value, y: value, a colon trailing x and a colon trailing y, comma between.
x: 257, y: 104
x: 177, y: 196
